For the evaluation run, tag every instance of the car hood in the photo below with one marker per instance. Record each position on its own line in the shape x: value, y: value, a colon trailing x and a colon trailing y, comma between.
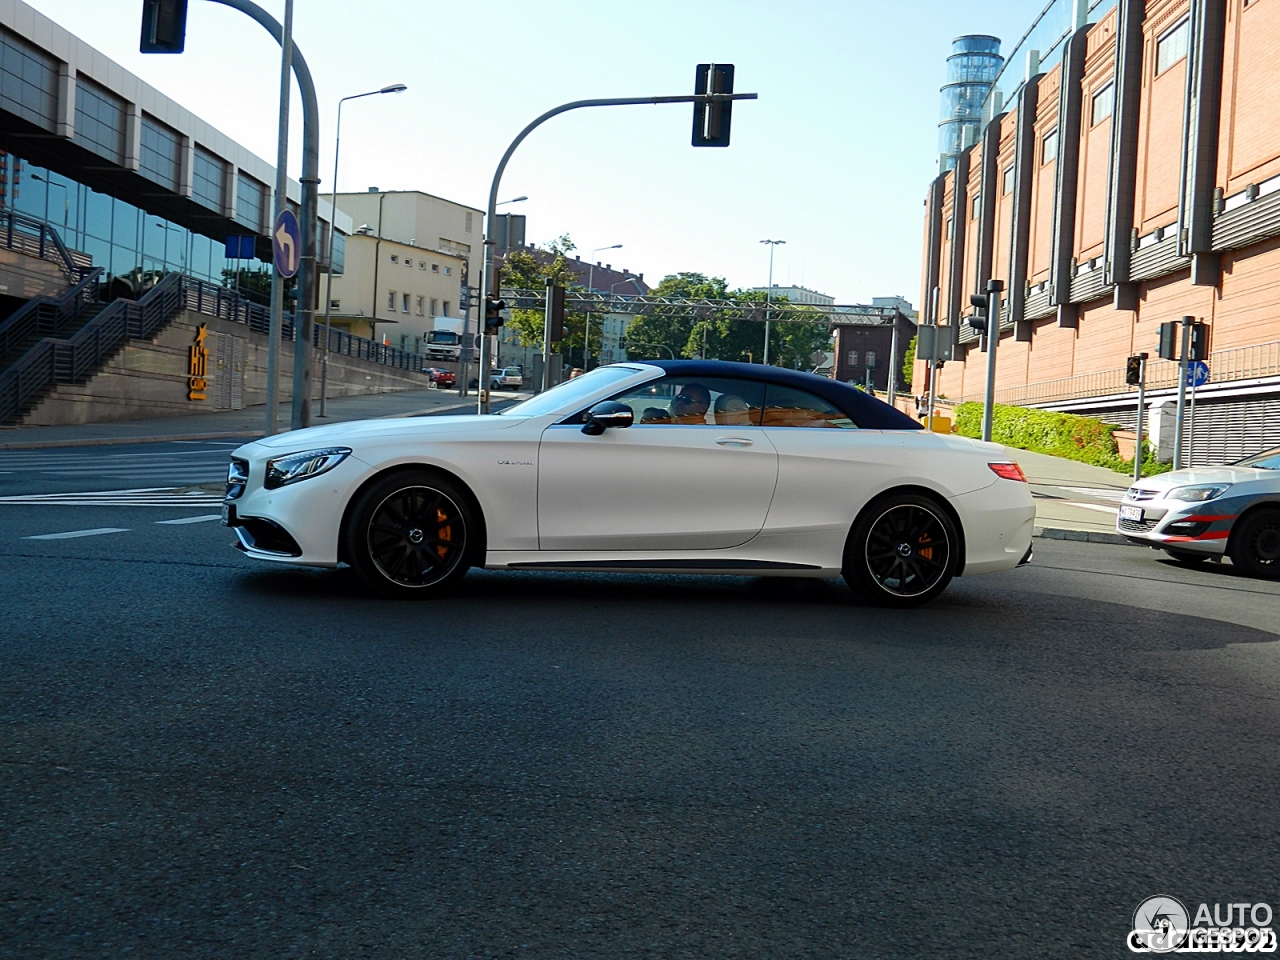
x: 1200, y: 475
x: 356, y: 433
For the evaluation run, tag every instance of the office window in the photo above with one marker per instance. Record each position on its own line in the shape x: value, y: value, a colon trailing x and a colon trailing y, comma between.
x: 1171, y: 47
x: 853, y: 358
x: 208, y: 179
x: 1104, y: 102
x: 421, y: 265
x: 951, y: 228
x: 445, y: 308
x: 420, y: 305
x: 394, y: 258
x: 159, y: 159
x: 977, y: 206
x: 408, y: 263
x: 99, y: 120
x: 469, y: 215
x: 1049, y: 147
x: 433, y: 307
x: 251, y: 202
x: 335, y: 304
x: 391, y: 300
x: 28, y: 81
x: 871, y: 359
x: 448, y: 271
x: 404, y: 341
x: 404, y: 303
x: 1008, y: 180
x: 435, y: 268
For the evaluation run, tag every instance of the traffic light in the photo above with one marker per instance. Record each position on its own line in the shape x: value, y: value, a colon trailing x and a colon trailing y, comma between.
x: 978, y: 321
x: 1133, y: 371
x: 164, y: 26
x: 493, y: 318
x: 1168, y: 349
x: 711, y: 120
x: 1199, y: 342
x: 556, y: 294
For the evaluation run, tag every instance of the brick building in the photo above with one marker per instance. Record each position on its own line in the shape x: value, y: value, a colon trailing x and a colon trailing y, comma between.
x: 1133, y: 180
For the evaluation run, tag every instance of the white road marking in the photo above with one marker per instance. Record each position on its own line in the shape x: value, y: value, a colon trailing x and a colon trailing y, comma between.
x: 72, y: 534
x: 142, y: 497
x: 1091, y: 506
x: 201, y: 519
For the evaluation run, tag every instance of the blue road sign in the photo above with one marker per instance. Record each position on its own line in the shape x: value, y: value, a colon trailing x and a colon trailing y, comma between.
x: 241, y: 247
x: 286, y: 239
x: 1197, y: 373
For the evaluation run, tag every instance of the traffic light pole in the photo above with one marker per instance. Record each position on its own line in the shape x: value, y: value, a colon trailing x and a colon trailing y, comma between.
x: 1183, y: 358
x: 993, y: 340
x: 1142, y: 409
x: 310, y: 180
x: 546, y: 338
x: 486, y: 279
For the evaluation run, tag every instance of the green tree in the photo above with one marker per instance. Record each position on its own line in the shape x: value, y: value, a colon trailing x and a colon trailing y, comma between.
x: 909, y: 363
x: 521, y: 270
x: 671, y: 329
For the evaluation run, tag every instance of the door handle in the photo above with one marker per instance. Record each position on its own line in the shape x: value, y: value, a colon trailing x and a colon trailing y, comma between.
x: 734, y: 441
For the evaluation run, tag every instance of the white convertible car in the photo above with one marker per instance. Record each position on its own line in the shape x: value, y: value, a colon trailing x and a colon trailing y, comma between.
x: 663, y: 467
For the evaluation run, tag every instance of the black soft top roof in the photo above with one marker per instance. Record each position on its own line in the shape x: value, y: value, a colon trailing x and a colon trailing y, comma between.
x: 862, y: 408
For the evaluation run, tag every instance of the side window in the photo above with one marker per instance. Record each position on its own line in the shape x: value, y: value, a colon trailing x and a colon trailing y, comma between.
x: 789, y: 407
x: 713, y: 401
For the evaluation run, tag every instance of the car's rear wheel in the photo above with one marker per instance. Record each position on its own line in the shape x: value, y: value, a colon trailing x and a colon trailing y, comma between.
x: 407, y: 535
x: 902, y: 551
x: 1255, y: 545
x: 1186, y: 558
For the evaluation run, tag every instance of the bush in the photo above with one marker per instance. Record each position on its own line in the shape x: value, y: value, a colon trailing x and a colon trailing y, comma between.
x: 1086, y: 439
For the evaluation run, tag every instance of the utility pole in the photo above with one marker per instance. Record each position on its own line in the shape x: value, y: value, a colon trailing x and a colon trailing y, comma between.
x: 1142, y: 409
x: 768, y: 297
x: 893, y: 360
x: 994, y: 287
x: 1182, y: 390
x: 276, y: 324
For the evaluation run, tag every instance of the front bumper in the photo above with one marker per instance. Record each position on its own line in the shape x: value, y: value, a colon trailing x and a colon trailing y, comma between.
x: 1203, y: 527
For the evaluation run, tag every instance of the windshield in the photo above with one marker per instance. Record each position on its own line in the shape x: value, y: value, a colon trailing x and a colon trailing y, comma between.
x: 442, y: 336
x: 566, y: 394
x: 1268, y: 460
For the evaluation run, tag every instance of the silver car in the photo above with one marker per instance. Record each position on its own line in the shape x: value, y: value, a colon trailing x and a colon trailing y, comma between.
x: 1206, y: 512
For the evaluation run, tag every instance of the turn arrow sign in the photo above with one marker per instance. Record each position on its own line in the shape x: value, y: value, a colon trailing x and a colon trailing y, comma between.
x: 286, y: 239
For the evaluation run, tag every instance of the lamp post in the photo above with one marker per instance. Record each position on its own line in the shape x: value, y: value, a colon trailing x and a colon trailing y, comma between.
x: 586, y: 327
x: 183, y: 250
x: 333, y: 210
x: 66, y: 196
x: 630, y: 280
x: 768, y: 297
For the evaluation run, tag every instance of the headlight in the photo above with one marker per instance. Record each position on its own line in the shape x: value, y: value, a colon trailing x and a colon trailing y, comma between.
x: 301, y: 466
x: 1207, y: 491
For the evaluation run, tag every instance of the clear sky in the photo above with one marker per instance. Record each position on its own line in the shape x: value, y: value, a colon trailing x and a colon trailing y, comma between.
x: 834, y: 157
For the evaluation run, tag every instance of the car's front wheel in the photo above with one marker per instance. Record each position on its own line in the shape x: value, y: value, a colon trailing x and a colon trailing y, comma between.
x: 902, y: 551
x: 407, y: 535
x: 1255, y: 545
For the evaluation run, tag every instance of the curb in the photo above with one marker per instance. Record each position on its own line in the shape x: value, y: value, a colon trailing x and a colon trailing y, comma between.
x: 1082, y: 536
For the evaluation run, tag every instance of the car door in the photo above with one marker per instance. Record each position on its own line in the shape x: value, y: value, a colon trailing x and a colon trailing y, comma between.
x: 685, y: 476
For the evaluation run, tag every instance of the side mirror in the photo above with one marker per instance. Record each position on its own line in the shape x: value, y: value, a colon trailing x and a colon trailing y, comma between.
x: 605, y: 414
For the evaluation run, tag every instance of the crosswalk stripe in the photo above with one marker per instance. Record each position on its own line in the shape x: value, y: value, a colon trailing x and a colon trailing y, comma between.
x: 139, y: 497
x: 203, y: 518
x: 73, y: 534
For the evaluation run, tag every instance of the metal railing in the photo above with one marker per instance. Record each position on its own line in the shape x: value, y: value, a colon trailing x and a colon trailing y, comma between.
x: 1226, y: 366
x: 347, y: 345
x: 48, y: 316
x: 38, y: 239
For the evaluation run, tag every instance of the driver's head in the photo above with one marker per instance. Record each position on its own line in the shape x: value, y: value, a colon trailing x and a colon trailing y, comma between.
x: 693, y: 400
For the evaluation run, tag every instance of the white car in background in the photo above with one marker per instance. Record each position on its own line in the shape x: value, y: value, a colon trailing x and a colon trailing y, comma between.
x: 679, y: 466
x: 507, y: 378
x: 1203, y: 513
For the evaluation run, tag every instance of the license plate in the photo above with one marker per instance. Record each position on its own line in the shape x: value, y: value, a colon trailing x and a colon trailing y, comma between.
x: 1131, y: 513
x: 226, y: 514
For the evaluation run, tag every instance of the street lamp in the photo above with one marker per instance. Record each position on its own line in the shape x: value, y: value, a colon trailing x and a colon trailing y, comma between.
x: 333, y: 209
x: 768, y: 297
x: 591, y: 279
x: 512, y: 200
x: 183, y: 250
x: 631, y: 280
x: 66, y: 196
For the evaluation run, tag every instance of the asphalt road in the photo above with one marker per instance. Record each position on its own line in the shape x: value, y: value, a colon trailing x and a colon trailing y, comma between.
x: 205, y: 757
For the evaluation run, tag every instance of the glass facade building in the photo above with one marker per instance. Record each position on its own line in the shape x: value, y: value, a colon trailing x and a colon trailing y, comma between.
x: 972, y: 68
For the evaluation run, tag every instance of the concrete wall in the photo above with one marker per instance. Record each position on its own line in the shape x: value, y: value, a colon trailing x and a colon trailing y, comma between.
x: 25, y: 276
x: 149, y: 379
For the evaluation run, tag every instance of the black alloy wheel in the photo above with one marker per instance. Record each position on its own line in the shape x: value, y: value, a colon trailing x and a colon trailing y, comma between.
x: 407, y: 535
x: 902, y: 551
x: 1255, y: 545
x: 1187, y: 558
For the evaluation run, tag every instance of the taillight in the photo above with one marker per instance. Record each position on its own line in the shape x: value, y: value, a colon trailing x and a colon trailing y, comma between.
x: 1008, y: 470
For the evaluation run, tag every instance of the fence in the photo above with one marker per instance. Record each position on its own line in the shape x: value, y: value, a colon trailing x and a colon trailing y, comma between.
x: 36, y: 238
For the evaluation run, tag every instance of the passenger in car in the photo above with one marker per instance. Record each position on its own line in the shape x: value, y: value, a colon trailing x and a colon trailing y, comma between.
x: 655, y: 415
x: 691, y: 404
x: 732, y: 410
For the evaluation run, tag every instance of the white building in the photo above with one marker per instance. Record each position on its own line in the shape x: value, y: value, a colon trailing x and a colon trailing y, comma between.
x: 796, y: 294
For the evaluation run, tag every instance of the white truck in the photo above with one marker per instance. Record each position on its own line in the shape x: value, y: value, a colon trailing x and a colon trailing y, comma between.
x: 444, y: 340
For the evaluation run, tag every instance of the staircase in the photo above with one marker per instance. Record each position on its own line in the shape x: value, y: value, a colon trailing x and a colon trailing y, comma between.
x: 42, y: 317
